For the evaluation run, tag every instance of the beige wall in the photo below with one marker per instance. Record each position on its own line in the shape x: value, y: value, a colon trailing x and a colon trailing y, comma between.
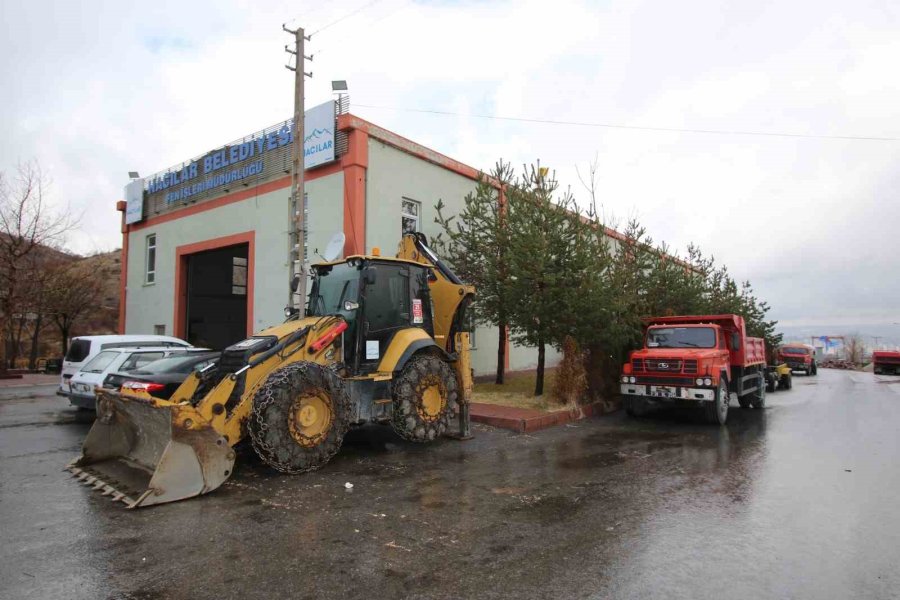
x: 394, y: 175
x: 267, y: 215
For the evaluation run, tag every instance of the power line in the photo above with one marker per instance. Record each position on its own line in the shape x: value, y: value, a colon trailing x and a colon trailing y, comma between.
x: 633, y: 127
x: 347, y: 16
x: 329, y: 46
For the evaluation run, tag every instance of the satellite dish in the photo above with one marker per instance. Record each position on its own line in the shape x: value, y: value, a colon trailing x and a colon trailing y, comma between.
x: 335, y: 246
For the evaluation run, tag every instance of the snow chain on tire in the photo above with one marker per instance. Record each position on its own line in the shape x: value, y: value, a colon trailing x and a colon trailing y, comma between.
x: 269, y: 420
x: 407, y: 391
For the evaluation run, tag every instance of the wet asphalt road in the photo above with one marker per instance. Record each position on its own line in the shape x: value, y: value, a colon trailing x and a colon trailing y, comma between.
x: 801, y: 500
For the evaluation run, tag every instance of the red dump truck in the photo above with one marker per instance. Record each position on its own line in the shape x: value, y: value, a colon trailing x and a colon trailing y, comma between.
x: 699, y: 360
x: 886, y: 363
x: 799, y: 357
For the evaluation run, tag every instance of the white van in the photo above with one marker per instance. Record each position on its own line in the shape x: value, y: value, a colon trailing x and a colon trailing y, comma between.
x: 86, y: 347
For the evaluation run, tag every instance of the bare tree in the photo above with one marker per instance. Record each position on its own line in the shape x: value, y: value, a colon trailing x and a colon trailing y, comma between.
x: 590, y: 184
x: 73, y: 293
x: 27, y: 223
x: 854, y: 349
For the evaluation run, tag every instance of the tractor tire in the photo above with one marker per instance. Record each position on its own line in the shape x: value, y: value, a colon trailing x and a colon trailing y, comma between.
x: 425, y: 395
x: 786, y: 382
x: 771, y: 383
x: 758, y: 398
x: 744, y: 401
x: 717, y: 410
x: 299, y: 417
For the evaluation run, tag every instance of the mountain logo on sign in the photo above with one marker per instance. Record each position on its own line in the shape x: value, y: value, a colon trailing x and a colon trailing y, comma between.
x: 313, y: 144
x: 317, y: 133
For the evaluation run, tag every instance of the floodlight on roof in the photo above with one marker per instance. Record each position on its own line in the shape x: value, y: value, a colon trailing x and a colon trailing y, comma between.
x: 134, y: 175
x: 339, y: 85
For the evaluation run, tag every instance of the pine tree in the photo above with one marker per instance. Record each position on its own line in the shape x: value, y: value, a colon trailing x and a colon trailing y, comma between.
x: 546, y: 264
x: 475, y: 242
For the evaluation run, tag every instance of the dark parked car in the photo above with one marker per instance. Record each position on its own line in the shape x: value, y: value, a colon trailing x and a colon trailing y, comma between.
x: 162, y: 377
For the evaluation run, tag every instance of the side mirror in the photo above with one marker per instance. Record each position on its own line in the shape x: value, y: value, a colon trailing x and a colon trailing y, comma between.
x: 350, y: 305
x: 369, y: 275
x: 295, y: 283
x: 735, y: 341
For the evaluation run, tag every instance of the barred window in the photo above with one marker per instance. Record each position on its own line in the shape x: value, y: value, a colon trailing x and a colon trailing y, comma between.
x: 409, y: 216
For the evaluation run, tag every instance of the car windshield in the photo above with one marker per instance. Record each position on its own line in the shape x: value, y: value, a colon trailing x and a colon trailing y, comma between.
x: 99, y: 363
x: 797, y: 351
x: 681, y: 337
x: 333, y: 286
x: 175, y: 364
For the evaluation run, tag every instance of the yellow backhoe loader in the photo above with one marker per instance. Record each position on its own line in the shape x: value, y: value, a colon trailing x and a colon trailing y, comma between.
x: 382, y: 340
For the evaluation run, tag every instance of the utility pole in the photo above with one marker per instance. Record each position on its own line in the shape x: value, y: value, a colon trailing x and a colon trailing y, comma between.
x: 876, y: 338
x: 298, y: 194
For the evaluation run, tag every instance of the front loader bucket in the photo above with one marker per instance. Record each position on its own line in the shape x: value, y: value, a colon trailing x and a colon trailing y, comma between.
x: 144, y: 451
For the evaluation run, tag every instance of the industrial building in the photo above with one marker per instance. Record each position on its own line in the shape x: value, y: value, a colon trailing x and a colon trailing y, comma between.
x: 207, y: 244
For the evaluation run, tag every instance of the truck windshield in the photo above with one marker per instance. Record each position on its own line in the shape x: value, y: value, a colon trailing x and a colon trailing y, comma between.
x: 681, y: 337
x: 797, y: 351
x: 333, y: 286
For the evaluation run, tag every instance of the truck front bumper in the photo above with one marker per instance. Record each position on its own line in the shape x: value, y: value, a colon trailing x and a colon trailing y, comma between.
x: 663, y: 393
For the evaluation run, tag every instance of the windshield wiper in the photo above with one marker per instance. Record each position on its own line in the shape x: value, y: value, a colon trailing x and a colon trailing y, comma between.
x: 691, y: 344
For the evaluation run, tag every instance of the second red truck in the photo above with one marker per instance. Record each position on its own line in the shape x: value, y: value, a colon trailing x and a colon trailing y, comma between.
x: 700, y: 360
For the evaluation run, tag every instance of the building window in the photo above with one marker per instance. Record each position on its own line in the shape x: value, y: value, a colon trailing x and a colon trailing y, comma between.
x: 239, y: 276
x: 409, y: 216
x: 159, y: 329
x: 150, y: 276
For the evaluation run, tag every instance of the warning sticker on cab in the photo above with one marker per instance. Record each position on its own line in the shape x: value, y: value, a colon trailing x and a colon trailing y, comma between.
x: 417, y: 311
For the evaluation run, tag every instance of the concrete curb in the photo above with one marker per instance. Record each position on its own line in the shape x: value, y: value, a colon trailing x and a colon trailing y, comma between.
x: 524, y: 420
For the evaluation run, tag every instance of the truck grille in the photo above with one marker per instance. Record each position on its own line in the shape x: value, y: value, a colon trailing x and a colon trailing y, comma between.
x: 664, y: 365
x: 685, y: 381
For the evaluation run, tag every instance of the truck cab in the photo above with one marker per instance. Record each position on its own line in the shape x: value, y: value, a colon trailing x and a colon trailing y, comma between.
x: 799, y: 357
x: 699, y: 360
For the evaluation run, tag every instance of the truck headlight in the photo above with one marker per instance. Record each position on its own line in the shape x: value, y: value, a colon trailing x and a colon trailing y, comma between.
x: 624, y: 378
x: 699, y: 381
x: 633, y: 379
x: 707, y: 381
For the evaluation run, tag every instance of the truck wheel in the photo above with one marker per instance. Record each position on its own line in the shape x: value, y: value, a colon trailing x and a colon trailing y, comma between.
x: 717, y: 410
x: 299, y: 417
x: 425, y: 396
x: 635, y: 407
x: 758, y: 398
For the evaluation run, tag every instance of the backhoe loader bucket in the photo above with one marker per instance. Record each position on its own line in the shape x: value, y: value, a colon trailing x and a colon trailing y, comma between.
x: 144, y: 451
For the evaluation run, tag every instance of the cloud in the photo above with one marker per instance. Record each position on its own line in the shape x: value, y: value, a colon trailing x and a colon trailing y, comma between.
x: 104, y: 88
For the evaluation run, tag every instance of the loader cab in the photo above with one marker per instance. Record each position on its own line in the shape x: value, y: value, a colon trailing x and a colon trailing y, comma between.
x: 377, y: 298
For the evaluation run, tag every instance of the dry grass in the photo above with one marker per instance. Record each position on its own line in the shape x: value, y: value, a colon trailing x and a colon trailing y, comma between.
x: 518, y: 391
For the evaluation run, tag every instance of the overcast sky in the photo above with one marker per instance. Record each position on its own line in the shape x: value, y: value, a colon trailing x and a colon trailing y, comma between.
x: 96, y: 89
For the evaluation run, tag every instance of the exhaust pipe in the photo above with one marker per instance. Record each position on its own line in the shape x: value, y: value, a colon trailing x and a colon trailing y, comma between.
x: 143, y: 451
